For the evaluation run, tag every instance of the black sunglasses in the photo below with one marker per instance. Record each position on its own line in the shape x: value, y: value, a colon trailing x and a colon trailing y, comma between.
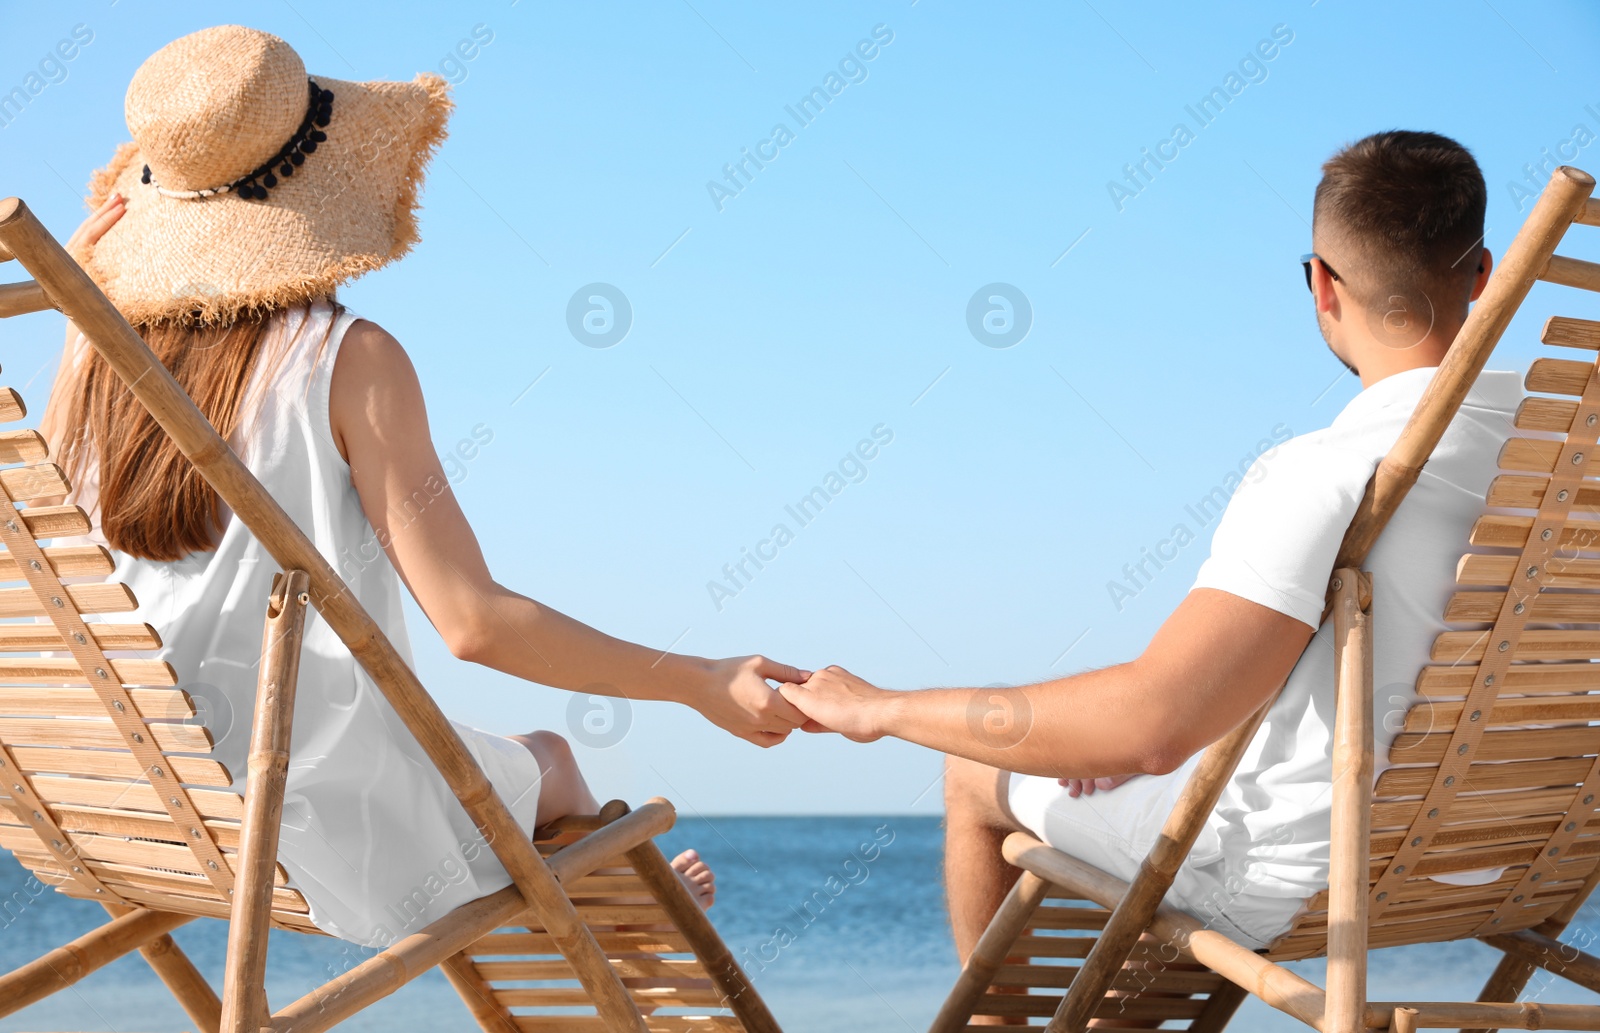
x: 1305, y: 260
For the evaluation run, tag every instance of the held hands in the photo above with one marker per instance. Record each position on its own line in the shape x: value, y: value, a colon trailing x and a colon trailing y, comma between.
x: 743, y: 703
x: 834, y: 700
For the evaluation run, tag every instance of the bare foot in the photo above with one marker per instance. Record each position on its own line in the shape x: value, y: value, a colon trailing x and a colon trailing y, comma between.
x: 697, y: 878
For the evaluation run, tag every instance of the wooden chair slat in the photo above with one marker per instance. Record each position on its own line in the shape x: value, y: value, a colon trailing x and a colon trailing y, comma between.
x: 1547, y: 608
x: 55, y: 521
x: 1558, y: 376
x: 33, y: 638
x: 110, y: 821
x: 563, y: 997
x: 116, y: 765
x: 96, y: 792
x: 36, y: 671
x: 187, y: 889
x: 1479, y: 569
x: 1532, y: 455
x: 169, y: 856
x: 1523, y: 491
x: 1425, y: 717
x: 666, y: 941
x: 151, y: 704
x: 1520, y: 680
x: 40, y: 481
x: 1545, y: 414
x: 1470, y: 646
x: 655, y: 1023
x: 1508, y: 531
x: 649, y: 967
x: 1411, y: 748
x: 65, y: 561
x: 89, y: 598
x: 11, y: 406
x: 1567, y: 332
x: 22, y: 446
x: 99, y: 733
x: 1486, y: 778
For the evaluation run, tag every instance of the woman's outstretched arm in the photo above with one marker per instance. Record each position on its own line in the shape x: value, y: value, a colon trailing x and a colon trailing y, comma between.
x: 380, y: 426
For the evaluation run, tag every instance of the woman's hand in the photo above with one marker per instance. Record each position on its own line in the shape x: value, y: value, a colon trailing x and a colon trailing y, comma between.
x: 94, y: 227
x: 740, y: 701
x: 1077, y: 787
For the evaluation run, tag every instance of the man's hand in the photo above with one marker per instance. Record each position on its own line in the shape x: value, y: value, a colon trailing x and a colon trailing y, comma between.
x: 1077, y: 787
x: 742, y: 702
x: 834, y: 700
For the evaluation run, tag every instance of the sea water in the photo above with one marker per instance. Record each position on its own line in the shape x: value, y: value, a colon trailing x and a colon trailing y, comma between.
x: 839, y: 921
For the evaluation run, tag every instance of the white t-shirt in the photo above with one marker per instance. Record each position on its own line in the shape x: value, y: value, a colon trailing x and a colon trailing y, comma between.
x: 1276, y: 545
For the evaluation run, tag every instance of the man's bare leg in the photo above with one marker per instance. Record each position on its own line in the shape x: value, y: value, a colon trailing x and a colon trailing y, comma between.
x: 977, y: 820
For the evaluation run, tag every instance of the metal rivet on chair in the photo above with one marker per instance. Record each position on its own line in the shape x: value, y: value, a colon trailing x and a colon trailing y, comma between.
x: 1494, y: 921
x: 11, y: 525
x: 57, y: 844
x: 137, y: 737
x: 37, y: 816
x: 97, y: 889
x: 56, y: 600
x: 1561, y: 496
x: 1517, y: 899
x: 1504, y: 645
x: 1417, y: 841
x: 156, y: 772
x: 1546, y: 534
x: 1338, y: 583
x: 77, y: 636
x: 1589, y: 798
x: 1461, y: 751
x: 1475, y: 715
x: 16, y: 787
x: 1533, y: 572
x: 1519, y: 607
x: 34, y: 565
x: 1592, y: 420
x: 212, y: 865
x: 1383, y: 896
x: 1554, y: 851
x: 1399, y: 869
x: 174, y: 802
x: 1434, y: 813
x: 77, y: 869
x: 118, y: 704
x: 1570, y: 826
x: 305, y: 598
x: 1489, y: 680
x: 1577, y: 459
x: 1449, y: 780
x: 100, y: 672
x: 195, y: 833
x: 1535, y: 877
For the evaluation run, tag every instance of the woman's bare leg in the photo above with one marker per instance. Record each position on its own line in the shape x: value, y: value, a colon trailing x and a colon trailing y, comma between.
x: 563, y: 791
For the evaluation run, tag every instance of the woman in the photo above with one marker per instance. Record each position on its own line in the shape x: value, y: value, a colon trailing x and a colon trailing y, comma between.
x: 249, y: 193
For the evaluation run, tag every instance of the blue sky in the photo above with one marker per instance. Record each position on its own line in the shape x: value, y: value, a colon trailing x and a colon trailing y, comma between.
x: 1168, y: 330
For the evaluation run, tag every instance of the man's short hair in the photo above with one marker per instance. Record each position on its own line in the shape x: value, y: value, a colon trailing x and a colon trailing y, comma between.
x: 1401, y: 212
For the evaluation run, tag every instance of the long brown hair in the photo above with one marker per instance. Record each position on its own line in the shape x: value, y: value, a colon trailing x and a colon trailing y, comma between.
x: 153, y: 504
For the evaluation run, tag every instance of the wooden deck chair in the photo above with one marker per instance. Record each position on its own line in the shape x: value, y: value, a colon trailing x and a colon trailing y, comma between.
x: 1499, y: 762
x: 92, y: 800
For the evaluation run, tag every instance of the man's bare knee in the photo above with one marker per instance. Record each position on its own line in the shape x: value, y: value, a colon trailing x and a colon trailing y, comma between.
x: 977, y: 792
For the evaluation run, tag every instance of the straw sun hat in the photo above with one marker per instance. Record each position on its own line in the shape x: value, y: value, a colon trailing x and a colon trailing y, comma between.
x: 251, y: 185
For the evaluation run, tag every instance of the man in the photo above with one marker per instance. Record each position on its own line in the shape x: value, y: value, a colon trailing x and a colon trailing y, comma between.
x: 1398, y: 232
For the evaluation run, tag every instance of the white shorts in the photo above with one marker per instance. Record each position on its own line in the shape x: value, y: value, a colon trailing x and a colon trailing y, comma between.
x: 1114, y: 831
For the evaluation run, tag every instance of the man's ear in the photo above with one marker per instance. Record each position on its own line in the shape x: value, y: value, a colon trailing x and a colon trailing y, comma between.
x: 1484, y: 269
x: 1322, y: 290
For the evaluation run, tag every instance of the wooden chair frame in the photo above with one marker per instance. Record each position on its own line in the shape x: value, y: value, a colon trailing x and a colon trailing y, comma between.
x: 539, y: 896
x: 1359, y: 882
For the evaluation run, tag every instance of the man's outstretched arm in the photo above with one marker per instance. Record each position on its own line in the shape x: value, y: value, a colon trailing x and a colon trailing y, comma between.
x: 1211, y: 664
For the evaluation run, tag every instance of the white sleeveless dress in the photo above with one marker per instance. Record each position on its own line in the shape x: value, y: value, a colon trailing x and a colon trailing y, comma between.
x: 372, y: 836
